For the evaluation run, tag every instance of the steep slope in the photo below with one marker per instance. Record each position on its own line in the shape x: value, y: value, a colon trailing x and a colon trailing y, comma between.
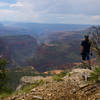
x: 56, y: 40
x: 60, y: 48
x: 19, y: 48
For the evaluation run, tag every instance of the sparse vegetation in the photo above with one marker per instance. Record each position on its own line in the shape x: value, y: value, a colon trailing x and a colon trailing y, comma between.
x: 60, y: 76
x: 95, y: 39
x: 69, y: 74
x: 28, y: 87
x: 4, y: 90
x: 57, y: 78
x: 3, y: 63
x: 13, y: 78
x: 94, y: 33
x: 95, y: 75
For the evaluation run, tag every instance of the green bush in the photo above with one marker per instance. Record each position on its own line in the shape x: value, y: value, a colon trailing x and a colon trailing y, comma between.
x: 4, y: 90
x: 57, y: 78
x: 3, y: 64
x: 39, y: 82
x: 95, y: 75
x: 60, y: 76
x: 29, y: 87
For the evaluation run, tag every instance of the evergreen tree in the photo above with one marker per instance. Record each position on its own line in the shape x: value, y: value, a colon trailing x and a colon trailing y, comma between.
x: 3, y: 64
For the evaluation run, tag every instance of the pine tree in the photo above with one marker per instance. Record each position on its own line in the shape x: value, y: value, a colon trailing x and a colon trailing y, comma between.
x: 3, y: 64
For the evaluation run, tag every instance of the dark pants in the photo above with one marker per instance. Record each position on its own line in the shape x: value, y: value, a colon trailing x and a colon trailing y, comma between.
x: 85, y: 56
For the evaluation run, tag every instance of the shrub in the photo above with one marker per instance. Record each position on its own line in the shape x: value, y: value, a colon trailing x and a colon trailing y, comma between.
x: 4, y: 90
x: 60, y: 76
x: 3, y: 64
x: 28, y: 87
x: 57, y: 78
x: 95, y: 75
x: 94, y: 33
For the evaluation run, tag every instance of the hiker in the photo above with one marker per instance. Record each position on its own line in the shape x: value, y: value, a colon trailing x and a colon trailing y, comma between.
x: 86, y: 51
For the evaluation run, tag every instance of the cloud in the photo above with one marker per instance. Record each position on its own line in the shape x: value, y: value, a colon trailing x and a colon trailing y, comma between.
x: 87, y: 7
x: 3, y: 4
x: 17, y: 4
x: 54, y: 11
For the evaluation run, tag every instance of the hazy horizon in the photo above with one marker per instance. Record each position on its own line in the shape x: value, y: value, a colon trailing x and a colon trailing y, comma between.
x: 5, y: 22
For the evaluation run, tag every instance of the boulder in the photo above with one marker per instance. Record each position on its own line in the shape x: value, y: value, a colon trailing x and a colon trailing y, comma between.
x: 79, y: 76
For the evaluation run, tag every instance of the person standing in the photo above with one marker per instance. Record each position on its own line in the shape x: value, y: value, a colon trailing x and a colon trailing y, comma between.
x: 86, y: 51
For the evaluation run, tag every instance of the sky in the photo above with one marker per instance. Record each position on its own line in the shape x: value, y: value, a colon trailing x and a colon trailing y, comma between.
x: 51, y: 11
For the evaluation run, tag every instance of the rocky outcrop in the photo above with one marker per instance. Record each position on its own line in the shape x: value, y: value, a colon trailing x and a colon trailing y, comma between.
x: 78, y: 76
x: 73, y: 87
x: 31, y: 80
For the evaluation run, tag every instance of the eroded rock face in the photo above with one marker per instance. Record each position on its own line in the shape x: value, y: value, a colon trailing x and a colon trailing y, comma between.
x: 31, y: 80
